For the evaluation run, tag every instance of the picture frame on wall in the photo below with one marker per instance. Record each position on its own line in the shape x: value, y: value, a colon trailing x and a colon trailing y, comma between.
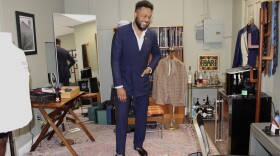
x: 208, y: 62
x: 26, y: 32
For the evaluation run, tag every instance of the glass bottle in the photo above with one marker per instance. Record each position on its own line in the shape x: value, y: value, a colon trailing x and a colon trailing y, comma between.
x: 190, y: 75
x: 209, y: 109
x: 57, y: 95
x: 197, y: 102
x: 198, y: 106
x: 217, y: 80
x: 200, y: 78
x: 196, y: 77
x: 203, y: 101
x: 203, y: 107
x: 205, y: 80
x: 207, y: 101
x: 212, y: 78
x: 195, y: 108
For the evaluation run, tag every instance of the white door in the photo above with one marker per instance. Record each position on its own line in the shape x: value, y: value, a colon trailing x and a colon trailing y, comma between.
x: 252, y: 10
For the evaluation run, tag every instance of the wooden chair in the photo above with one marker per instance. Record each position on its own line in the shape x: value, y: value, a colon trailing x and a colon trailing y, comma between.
x: 88, y: 96
x: 157, y: 112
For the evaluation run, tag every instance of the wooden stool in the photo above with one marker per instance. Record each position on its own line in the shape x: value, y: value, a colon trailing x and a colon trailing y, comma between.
x: 89, y: 96
x: 155, y: 111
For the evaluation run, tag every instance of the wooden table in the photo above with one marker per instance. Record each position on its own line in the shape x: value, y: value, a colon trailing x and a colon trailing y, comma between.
x: 60, y: 109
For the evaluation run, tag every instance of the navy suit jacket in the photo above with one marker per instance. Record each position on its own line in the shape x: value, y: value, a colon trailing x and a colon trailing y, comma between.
x: 128, y: 63
x: 237, y: 61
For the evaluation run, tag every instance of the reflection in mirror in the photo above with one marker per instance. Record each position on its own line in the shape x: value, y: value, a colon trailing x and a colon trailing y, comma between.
x: 77, y: 34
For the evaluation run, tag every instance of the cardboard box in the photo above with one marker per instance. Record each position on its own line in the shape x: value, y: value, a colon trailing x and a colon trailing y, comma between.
x: 69, y: 91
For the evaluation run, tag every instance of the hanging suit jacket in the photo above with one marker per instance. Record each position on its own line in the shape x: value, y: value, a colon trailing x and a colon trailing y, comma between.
x: 241, y: 47
x: 128, y: 63
x: 169, y: 82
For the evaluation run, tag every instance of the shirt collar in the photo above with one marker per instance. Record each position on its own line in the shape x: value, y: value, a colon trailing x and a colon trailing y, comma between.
x: 143, y: 32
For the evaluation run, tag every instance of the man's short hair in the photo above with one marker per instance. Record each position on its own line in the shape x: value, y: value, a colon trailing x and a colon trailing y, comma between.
x: 144, y: 3
x: 57, y: 41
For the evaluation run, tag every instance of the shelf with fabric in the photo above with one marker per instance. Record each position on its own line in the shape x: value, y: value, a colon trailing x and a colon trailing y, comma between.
x: 170, y: 36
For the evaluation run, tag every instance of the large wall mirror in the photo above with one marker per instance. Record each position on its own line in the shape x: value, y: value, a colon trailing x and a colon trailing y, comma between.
x: 78, y: 35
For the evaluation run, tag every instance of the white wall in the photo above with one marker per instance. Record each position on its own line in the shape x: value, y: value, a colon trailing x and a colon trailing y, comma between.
x: 85, y: 34
x: 106, y: 21
x: 192, y: 16
x: 68, y: 41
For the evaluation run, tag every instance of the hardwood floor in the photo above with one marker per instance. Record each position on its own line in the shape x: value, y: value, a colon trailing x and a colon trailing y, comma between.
x: 179, y: 118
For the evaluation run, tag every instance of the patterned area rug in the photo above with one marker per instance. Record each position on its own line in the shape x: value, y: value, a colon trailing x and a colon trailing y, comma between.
x: 181, y: 142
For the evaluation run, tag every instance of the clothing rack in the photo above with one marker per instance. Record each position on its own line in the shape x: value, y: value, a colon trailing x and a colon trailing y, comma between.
x: 260, y: 59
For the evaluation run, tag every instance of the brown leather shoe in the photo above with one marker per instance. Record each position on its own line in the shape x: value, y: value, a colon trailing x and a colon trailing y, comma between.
x: 141, y: 151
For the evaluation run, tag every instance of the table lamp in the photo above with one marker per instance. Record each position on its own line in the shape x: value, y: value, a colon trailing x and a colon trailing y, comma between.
x: 16, y: 112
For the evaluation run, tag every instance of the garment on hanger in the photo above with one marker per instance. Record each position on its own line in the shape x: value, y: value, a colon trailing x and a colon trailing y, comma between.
x: 247, y: 45
x: 169, y: 82
x: 17, y: 111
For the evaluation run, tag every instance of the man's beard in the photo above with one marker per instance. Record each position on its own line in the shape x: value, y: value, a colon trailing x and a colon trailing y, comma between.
x: 138, y: 24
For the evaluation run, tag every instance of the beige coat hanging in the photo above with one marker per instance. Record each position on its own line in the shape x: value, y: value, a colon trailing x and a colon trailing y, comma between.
x: 169, y: 82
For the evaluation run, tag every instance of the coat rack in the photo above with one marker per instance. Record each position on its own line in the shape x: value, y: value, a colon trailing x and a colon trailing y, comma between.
x: 173, y: 125
x: 260, y: 59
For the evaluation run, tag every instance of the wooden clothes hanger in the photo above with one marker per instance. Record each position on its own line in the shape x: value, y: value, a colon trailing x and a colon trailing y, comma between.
x: 251, y: 22
x: 171, y: 54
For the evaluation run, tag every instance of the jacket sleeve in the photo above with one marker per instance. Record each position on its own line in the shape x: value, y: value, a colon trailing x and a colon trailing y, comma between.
x: 237, y: 61
x: 71, y: 60
x: 115, y: 59
x: 155, y: 85
x: 155, y: 52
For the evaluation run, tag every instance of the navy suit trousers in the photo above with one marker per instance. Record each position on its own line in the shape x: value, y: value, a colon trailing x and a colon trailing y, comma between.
x: 141, y: 105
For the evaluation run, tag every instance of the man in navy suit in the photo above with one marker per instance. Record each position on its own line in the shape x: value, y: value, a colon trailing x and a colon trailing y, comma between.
x: 131, y: 47
x: 65, y: 62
